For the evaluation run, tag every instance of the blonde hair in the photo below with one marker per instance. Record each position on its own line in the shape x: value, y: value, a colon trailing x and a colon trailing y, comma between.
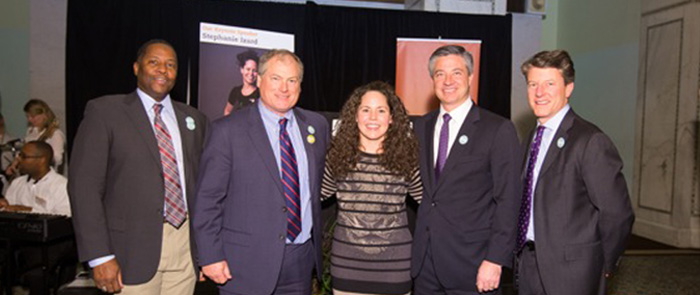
x: 36, y: 107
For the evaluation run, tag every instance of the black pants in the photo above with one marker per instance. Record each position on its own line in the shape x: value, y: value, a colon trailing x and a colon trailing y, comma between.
x: 528, y: 278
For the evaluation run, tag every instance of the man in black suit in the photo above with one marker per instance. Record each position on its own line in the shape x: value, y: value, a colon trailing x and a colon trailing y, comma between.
x: 469, y: 163
x: 576, y: 213
x: 132, y: 177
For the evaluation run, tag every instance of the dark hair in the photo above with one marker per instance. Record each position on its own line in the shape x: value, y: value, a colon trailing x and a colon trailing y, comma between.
x: 45, y: 150
x: 451, y: 50
x: 38, y: 107
x: 245, y: 56
x: 265, y: 58
x: 142, y: 50
x: 558, y: 59
x: 400, y: 147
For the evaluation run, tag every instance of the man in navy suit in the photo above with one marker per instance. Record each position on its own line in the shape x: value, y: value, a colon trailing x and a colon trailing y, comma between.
x: 577, y: 213
x: 469, y: 161
x: 257, y: 214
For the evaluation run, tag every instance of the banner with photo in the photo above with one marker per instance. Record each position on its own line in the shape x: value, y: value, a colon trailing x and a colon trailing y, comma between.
x: 228, y: 65
x: 413, y: 82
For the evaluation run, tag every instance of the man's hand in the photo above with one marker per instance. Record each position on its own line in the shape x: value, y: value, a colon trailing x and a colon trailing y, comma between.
x: 217, y: 272
x: 4, y: 203
x: 489, y: 277
x: 108, y: 276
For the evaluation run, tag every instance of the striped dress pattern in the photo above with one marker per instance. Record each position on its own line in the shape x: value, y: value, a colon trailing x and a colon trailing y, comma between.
x: 371, y: 250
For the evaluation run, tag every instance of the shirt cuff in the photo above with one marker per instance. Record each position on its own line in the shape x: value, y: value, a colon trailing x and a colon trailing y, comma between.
x: 97, y: 261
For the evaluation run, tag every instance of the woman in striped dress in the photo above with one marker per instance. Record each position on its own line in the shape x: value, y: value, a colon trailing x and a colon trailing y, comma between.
x: 371, y: 166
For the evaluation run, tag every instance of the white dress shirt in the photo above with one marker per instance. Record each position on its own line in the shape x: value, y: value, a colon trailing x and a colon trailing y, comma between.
x: 458, y: 115
x: 47, y: 195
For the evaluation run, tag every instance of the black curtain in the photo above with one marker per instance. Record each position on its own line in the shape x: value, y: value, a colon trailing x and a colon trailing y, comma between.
x: 341, y: 47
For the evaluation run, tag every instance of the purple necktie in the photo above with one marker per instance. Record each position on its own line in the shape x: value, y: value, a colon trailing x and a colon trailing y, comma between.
x: 290, y: 182
x: 175, y: 212
x: 524, y: 217
x: 442, y: 147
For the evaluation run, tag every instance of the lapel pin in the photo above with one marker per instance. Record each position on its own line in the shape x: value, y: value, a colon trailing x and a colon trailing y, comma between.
x: 311, y: 129
x: 561, y: 142
x: 463, y: 139
x: 311, y: 138
x: 190, y: 123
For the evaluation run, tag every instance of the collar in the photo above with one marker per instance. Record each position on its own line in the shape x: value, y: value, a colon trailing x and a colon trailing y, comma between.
x: 148, y: 102
x: 554, y: 122
x: 460, y: 112
x: 35, y: 181
x: 273, y: 118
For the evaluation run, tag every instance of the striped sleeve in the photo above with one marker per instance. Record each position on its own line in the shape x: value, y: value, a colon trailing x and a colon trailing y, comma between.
x: 329, y: 187
x: 415, y: 188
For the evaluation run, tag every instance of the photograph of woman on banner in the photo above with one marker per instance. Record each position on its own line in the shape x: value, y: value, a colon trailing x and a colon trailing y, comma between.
x: 371, y: 166
x: 246, y: 93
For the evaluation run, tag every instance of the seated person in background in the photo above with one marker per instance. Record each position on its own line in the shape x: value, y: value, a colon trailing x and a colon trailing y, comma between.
x: 39, y: 190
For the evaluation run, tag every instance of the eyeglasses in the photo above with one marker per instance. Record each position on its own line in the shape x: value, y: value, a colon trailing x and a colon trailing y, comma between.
x: 25, y: 156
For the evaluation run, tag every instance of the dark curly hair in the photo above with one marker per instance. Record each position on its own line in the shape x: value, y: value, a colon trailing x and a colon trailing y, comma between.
x: 400, y: 147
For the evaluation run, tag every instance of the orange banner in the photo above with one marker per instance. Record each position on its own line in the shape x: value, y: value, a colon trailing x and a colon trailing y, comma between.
x: 413, y: 82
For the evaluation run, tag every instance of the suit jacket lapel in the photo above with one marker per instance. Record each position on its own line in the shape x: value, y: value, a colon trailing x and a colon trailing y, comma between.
x: 187, y: 141
x: 458, y: 150
x: 554, y: 150
x: 428, y: 158
x: 308, y: 147
x: 526, y: 147
x: 137, y: 114
x: 258, y: 135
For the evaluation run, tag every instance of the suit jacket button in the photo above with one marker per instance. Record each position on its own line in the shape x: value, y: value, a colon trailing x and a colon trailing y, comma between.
x: 281, y: 237
x: 284, y: 209
x: 433, y: 204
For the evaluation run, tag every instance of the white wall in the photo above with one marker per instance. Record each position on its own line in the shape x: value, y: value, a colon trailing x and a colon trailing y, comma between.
x: 603, y: 39
x: 14, y: 63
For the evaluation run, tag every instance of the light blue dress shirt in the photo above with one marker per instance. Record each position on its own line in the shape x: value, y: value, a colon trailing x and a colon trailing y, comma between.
x: 550, y: 129
x: 272, y: 127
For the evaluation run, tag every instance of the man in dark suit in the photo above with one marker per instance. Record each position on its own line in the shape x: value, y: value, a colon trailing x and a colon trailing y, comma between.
x: 257, y: 215
x: 469, y: 165
x: 576, y: 213
x: 132, y: 180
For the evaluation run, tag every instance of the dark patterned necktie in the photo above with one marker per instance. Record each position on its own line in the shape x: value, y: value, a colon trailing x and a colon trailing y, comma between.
x: 290, y: 182
x: 442, y: 146
x: 524, y: 217
x: 175, y: 212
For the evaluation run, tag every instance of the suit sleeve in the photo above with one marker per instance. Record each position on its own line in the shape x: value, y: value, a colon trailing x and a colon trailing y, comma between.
x: 602, y: 175
x: 504, y: 159
x: 86, y: 185
x: 212, y: 187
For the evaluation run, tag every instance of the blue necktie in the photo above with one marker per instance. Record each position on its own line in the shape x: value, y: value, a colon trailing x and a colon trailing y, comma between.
x: 524, y: 217
x: 290, y: 182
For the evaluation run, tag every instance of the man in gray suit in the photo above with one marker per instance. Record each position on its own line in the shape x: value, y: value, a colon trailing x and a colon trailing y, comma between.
x: 469, y: 165
x: 131, y: 185
x: 575, y: 215
x: 257, y: 215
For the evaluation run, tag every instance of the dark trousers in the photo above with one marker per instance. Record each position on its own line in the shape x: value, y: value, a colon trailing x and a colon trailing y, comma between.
x: 528, y: 278
x: 428, y: 283
x: 296, y: 272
